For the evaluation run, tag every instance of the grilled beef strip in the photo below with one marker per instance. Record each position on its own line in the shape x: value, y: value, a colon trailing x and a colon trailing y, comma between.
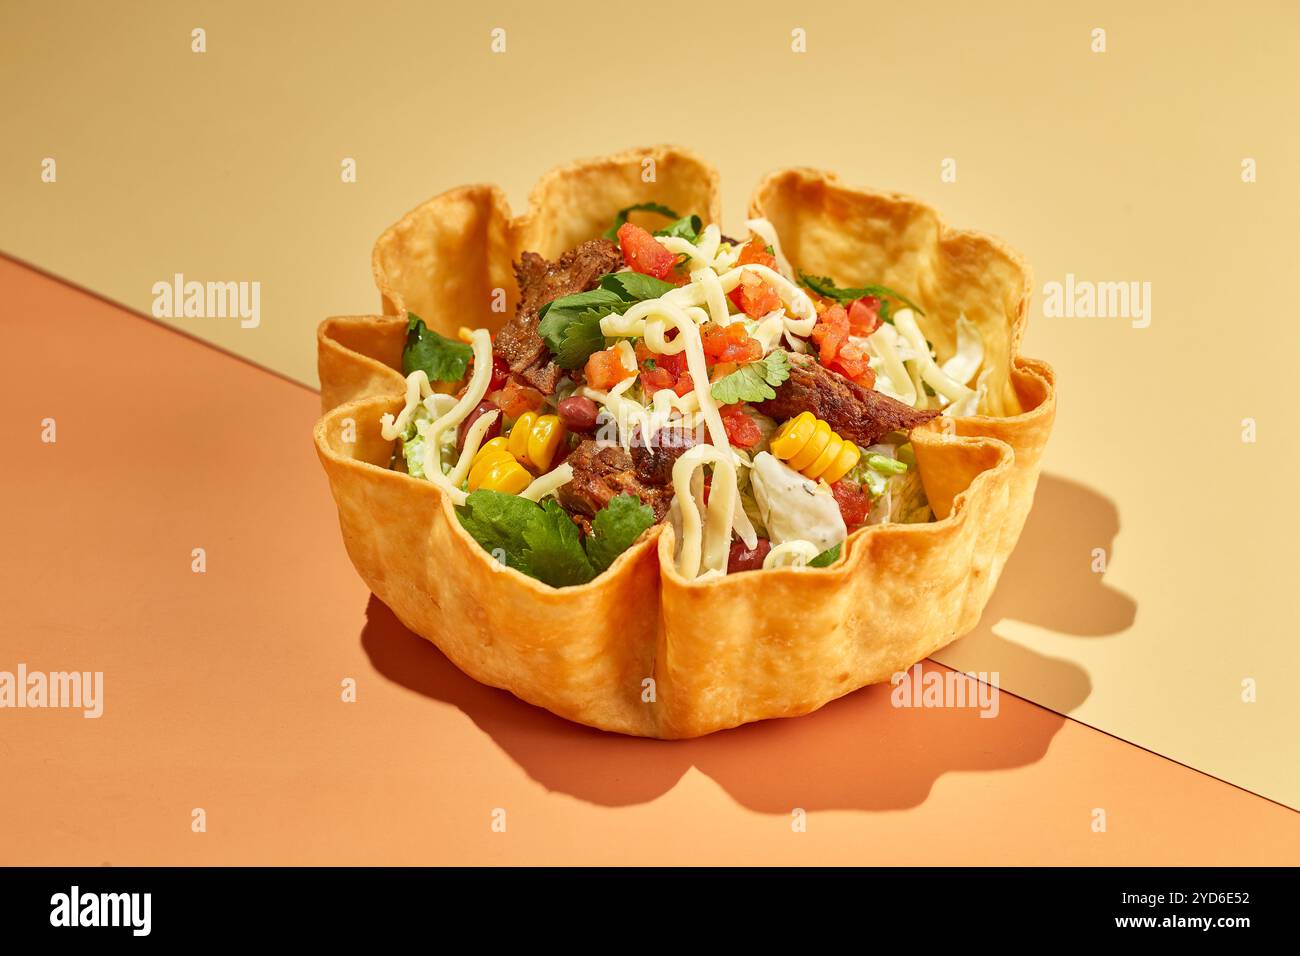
x: 599, y: 473
x: 653, y: 461
x: 542, y: 281
x: 859, y: 414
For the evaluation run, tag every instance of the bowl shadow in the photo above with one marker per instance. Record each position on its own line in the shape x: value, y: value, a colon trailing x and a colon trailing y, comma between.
x: 858, y: 752
x: 1049, y: 582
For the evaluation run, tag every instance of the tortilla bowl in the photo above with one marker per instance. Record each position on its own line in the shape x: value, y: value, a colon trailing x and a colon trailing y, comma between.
x: 640, y: 649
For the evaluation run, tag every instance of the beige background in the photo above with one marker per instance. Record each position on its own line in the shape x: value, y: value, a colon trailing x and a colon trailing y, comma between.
x: 1116, y: 166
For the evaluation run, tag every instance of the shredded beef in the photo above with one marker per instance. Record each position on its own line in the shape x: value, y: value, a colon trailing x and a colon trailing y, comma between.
x: 654, y: 461
x: 599, y: 473
x: 859, y: 414
x: 540, y: 282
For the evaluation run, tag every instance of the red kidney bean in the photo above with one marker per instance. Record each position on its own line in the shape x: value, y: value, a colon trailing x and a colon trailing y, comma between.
x: 577, y: 413
x: 493, y: 430
x: 500, y: 373
x: 742, y: 558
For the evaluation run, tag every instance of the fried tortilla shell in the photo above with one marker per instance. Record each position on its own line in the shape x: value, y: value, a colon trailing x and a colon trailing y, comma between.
x: 859, y: 237
x: 641, y: 650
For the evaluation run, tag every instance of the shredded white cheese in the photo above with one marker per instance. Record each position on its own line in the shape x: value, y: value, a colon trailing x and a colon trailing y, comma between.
x: 892, y: 377
x: 704, y: 546
x: 548, y: 483
x: 791, y: 554
x: 768, y: 330
x: 803, y: 314
x: 700, y: 254
x: 714, y: 297
x: 929, y: 372
x: 417, y: 388
x: 654, y: 312
x: 481, y: 340
x: 473, y: 439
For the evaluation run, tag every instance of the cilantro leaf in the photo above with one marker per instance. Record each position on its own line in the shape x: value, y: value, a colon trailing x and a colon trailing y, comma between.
x: 553, y: 548
x: 581, y: 338
x: 497, y: 521
x: 688, y: 228
x: 635, y: 287
x: 753, y: 382
x: 570, y: 325
x: 543, y: 542
x: 558, y: 313
x: 441, y: 358
x: 612, y: 231
x: 615, y: 527
x: 825, y: 286
x: 826, y: 558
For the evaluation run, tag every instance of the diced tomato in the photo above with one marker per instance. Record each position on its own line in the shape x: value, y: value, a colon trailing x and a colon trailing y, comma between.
x: 867, y: 379
x: 836, y: 351
x: 742, y: 431
x: 605, y: 369
x: 859, y: 372
x: 516, y: 398
x: 730, y: 343
x: 831, y: 332
x: 714, y: 339
x: 721, y: 370
x: 851, y: 360
x: 643, y: 253
x: 755, y: 253
x: 662, y: 371
x: 652, y: 380
x: 864, y: 315
x: 754, y: 296
x: 855, y: 504
x: 679, y: 276
x: 648, y: 359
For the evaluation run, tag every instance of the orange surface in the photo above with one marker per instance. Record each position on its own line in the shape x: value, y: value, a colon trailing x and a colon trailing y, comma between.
x: 222, y: 689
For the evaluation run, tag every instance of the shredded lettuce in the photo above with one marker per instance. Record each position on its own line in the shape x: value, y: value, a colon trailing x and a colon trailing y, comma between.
x: 966, y: 361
